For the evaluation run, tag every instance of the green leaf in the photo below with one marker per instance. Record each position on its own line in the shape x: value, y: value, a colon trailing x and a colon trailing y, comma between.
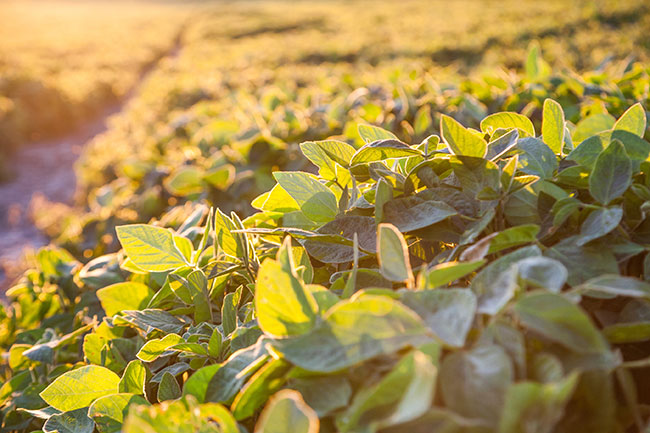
x: 633, y: 120
x: 599, y: 223
x: 229, y: 242
x: 353, y: 331
x: 449, y: 313
x: 124, y: 296
x: 636, y: 147
x: 382, y: 150
x: 177, y: 284
x: 383, y: 194
x: 156, y: 347
x: 276, y: 200
x: 235, y: 371
x: 476, y: 174
x: 153, y: 319
x: 542, y: 272
x: 536, y: 158
x: 300, y: 264
x: 587, y: 151
x: 185, y: 181
x: 339, y: 247
x: 574, y: 177
x: 370, y: 133
x: 190, y: 349
x: 283, y: 306
x: 498, y: 147
x: 79, y: 388
x: 617, y: 285
x: 17, y: 382
x: 563, y: 209
x: 220, y: 177
x: 168, y: 389
x: 612, y: 174
x: 184, y: 245
x: 413, y: 212
x: 174, y: 369
x: 110, y: 411
x: 150, y: 248
x: 324, y: 394
x: 404, y: 394
x: 326, y: 154
x: 508, y: 120
x: 196, y: 285
x: 316, y: 201
x: 229, y: 309
x: 350, y: 285
x: 445, y: 273
x: 44, y: 352
x: 287, y: 412
x: 460, y: 140
x: 197, y: 383
x: 181, y: 416
x: 513, y: 237
x: 102, y: 351
x: 553, y: 126
x: 74, y: 421
x: 266, y: 381
x: 495, y: 284
x: 625, y: 333
x: 338, y: 151
x: 474, y: 383
x: 582, y: 262
x: 325, y: 298
x: 44, y: 413
x: 557, y: 319
x: 134, y: 378
x: 101, y: 272
x: 393, y: 255
x: 214, y: 344
x: 541, y: 405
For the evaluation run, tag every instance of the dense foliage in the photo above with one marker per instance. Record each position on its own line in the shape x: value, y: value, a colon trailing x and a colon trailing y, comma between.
x: 481, y: 280
x: 347, y: 238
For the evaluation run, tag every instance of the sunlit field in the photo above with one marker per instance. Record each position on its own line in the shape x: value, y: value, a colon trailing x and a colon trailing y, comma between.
x: 63, y: 62
x: 324, y: 216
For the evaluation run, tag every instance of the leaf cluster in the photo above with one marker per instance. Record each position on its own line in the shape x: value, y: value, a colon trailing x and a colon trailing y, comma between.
x: 490, y: 279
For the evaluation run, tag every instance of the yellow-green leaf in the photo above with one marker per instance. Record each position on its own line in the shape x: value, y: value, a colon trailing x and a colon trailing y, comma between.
x: 150, y: 248
x: 128, y: 295
x: 612, y: 173
x: 508, y: 120
x: 154, y: 348
x: 283, y: 305
x: 79, y: 388
x: 109, y: 411
x: 316, y: 201
x: 287, y: 412
x: 370, y: 133
x: 553, y: 125
x: 460, y: 140
x: 633, y: 120
x: 445, y: 273
x: 393, y: 254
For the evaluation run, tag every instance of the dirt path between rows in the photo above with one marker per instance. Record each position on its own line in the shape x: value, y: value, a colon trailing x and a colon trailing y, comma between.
x: 47, y: 169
